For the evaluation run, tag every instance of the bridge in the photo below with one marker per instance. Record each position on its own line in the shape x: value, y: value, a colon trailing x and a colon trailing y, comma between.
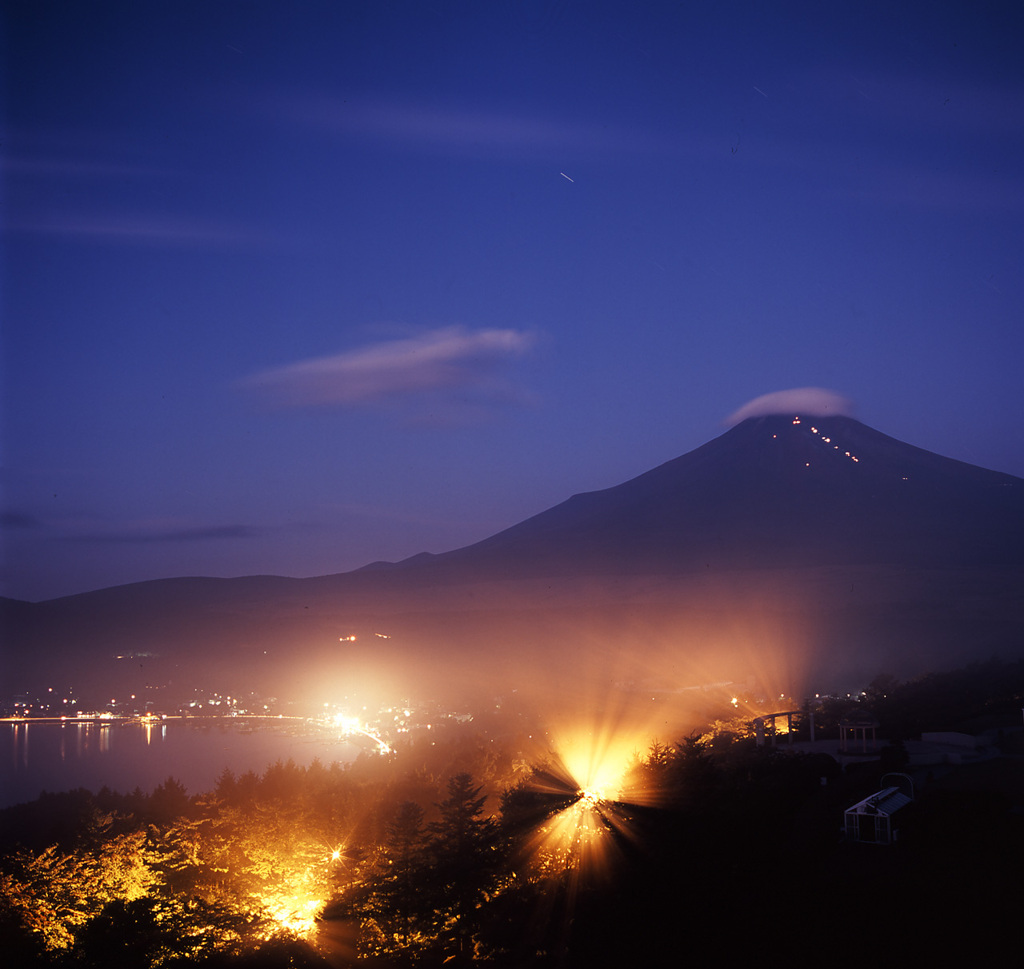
x: 765, y: 729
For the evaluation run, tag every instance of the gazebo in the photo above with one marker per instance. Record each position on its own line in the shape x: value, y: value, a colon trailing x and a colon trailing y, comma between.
x: 853, y: 734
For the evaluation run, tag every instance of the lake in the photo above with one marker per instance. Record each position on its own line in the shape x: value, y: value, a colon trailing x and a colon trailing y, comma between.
x: 123, y: 755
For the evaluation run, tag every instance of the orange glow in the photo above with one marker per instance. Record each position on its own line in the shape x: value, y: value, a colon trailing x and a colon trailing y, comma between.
x: 352, y: 725
x: 590, y: 771
x: 597, y: 760
x: 576, y: 839
x: 295, y: 913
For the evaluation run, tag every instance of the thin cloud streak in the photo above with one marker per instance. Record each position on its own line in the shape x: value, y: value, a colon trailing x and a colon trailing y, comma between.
x: 148, y: 230
x: 954, y: 107
x: 444, y: 360
x: 62, y: 168
x: 454, y: 128
x: 185, y: 534
x: 17, y: 520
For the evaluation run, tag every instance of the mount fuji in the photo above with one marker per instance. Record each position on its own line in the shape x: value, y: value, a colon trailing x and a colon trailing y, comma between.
x: 792, y: 549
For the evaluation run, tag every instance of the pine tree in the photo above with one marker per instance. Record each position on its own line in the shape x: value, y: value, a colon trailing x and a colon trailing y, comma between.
x: 404, y: 853
x: 464, y: 857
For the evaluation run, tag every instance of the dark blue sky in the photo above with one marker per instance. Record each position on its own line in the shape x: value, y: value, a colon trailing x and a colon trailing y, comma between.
x: 288, y: 288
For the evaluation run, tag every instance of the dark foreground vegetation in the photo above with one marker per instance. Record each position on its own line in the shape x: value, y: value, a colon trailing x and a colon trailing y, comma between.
x: 714, y: 850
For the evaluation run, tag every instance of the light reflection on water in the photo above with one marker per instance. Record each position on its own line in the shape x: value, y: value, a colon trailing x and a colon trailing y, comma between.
x: 123, y: 755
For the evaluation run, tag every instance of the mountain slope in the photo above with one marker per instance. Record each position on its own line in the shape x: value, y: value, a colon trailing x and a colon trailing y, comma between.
x: 772, y: 492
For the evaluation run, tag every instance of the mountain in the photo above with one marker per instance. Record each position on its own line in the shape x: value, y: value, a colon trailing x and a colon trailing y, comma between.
x: 789, y: 550
x: 771, y: 492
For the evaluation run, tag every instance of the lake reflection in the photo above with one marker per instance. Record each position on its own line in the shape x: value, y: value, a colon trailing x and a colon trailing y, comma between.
x: 123, y: 755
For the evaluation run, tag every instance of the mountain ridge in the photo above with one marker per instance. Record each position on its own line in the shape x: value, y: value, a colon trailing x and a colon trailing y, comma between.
x: 820, y: 537
x: 586, y: 504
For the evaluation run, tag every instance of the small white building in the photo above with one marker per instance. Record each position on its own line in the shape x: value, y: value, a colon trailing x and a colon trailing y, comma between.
x: 872, y: 821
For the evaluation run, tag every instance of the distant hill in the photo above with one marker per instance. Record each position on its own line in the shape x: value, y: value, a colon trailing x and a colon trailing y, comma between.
x: 789, y: 550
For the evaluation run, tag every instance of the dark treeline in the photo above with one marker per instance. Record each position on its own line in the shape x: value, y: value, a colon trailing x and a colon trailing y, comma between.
x: 457, y: 852
x: 982, y: 696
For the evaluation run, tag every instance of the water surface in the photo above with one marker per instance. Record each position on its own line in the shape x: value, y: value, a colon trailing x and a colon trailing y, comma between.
x: 123, y: 755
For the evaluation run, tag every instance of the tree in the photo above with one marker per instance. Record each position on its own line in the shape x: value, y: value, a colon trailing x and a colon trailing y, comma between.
x: 125, y: 934
x: 404, y: 858
x: 388, y: 899
x: 227, y: 786
x: 168, y: 801
x: 464, y: 858
x: 696, y: 778
x: 405, y: 834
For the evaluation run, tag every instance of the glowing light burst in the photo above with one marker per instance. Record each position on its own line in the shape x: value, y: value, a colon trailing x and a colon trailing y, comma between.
x: 598, y: 775
x: 601, y: 761
x: 578, y: 839
x: 352, y: 725
x: 589, y: 774
x: 575, y: 824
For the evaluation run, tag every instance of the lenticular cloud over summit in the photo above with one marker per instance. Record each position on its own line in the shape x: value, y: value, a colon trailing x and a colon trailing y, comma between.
x: 808, y: 401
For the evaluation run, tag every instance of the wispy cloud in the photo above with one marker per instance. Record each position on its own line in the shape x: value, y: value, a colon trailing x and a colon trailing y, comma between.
x: 15, y: 519
x: 920, y: 141
x: 72, y: 167
x: 149, y: 533
x: 452, y: 366
x: 66, y: 176
x: 151, y: 230
x: 454, y: 128
x: 957, y: 192
x: 943, y: 103
x: 803, y: 401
